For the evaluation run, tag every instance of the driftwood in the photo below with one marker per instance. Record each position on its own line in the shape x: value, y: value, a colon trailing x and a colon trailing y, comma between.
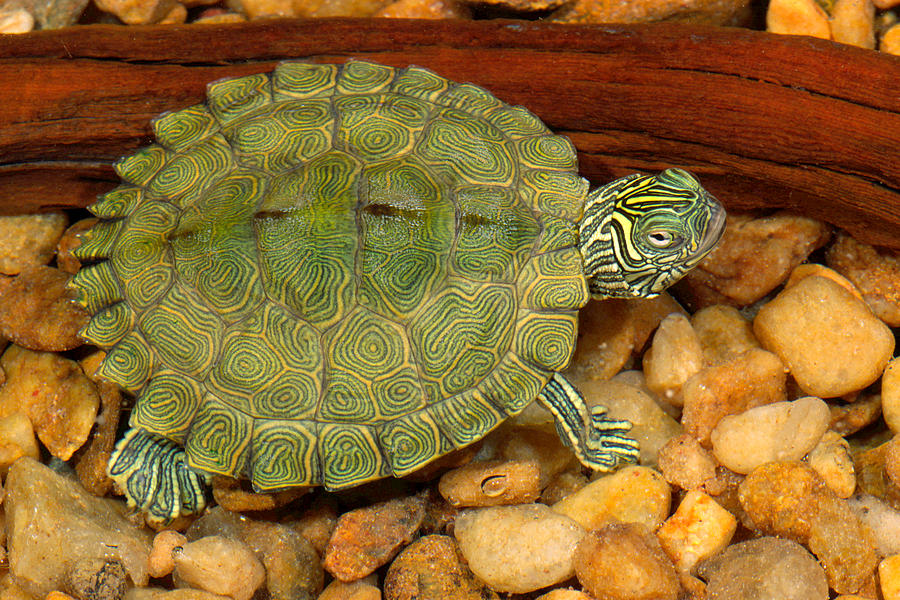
x: 766, y: 121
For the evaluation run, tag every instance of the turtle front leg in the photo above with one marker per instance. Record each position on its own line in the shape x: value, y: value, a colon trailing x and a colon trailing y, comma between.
x: 153, y: 473
x: 599, y: 442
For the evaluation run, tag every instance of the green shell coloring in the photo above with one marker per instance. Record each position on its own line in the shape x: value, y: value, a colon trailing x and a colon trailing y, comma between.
x: 330, y: 274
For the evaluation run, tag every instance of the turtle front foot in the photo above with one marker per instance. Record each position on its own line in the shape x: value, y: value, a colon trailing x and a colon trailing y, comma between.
x: 601, y: 443
x: 153, y: 473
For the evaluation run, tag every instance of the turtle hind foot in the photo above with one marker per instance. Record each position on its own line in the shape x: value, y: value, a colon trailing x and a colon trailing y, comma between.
x: 152, y: 472
x: 600, y: 443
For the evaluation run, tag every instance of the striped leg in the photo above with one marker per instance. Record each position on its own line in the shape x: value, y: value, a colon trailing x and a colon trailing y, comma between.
x: 153, y: 474
x: 599, y: 442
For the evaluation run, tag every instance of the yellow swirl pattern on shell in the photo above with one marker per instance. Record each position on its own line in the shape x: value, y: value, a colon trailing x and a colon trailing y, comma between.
x: 553, y: 281
x: 293, y: 394
x: 186, y: 177
x: 398, y: 392
x: 558, y: 193
x: 464, y: 318
x: 118, y: 202
x: 229, y: 99
x: 547, y: 340
x: 349, y: 455
x: 299, y: 81
x: 556, y: 234
x: 182, y: 129
x: 516, y: 122
x: 184, y: 333
x: 363, y: 78
x: 347, y: 399
x: 99, y: 241
x: 283, y: 454
x: 514, y: 384
x: 97, y: 286
x: 140, y: 167
x: 470, y: 98
x: 142, y: 258
x: 411, y: 441
x: 417, y: 82
x: 109, y: 325
x: 128, y: 363
x: 167, y: 405
x: 219, y: 439
x: 463, y: 148
x: 466, y: 418
x: 547, y: 152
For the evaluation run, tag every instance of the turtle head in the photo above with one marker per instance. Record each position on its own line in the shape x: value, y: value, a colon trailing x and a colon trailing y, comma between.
x: 642, y: 233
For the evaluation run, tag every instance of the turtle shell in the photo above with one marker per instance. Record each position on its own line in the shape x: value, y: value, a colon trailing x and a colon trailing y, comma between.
x: 330, y: 274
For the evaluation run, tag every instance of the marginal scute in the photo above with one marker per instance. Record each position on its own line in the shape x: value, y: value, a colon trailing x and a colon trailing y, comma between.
x: 140, y: 167
x: 99, y: 241
x: 118, y: 202
x: 283, y: 454
x: 411, y: 441
x: 417, y: 82
x: 167, y: 405
x: 378, y: 127
x: 470, y: 98
x: 461, y: 333
x: 96, y: 286
x: 547, y: 152
x: 546, y: 339
x: 300, y: 81
x: 219, y: 439
x: 184, y: 333
x: 186, y: 177
x: 228, y: 99
x: 553, y: 281
x: 179, y: 130
x: 358, y: 77
x: 109, y: 325
x: 466, y: 418
x: 128, y: 363
x: 516, y: 122
x: 349, y: 455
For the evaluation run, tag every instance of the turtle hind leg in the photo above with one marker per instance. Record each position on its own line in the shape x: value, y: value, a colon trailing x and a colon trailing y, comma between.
x: 601, y: 443
x: 153, y: 473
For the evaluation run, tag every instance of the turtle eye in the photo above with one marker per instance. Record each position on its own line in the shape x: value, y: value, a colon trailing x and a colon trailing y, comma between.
x: 663, y: 239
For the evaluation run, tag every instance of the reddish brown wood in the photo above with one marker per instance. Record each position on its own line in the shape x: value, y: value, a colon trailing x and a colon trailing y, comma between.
x: 767, y: 121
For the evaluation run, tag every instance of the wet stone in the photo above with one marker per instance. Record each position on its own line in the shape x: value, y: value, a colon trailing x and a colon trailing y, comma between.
x: 831, y: 459
x: 624, y: 561
x: 890, y: 395
x: 97, y: 579
x: 16, y: 440
x: 53, y: 524
x: 798, y: 17
x: 29, y: 240
x: 316, y: 522
x: 829, y: 339
x: 37, y: 311
x: 606, y: 334
x: 219, y: 565
x: 432, y: 568
x: 764, y: 569
x: 564, y: 594
x: 15, y: 20
x: 362, y: 589
x: 425, y: 9
x: 882, y: 520
x: 673, y: 357
x: 698, y: 529
x: 366, y: 538
x: 876, y: 273
x: 777, y: 431
x: 337, y: 8
x: 630, y: 495
x: 161, y: 561
x: 850, y: 417
x: 491, y: 483
x: 518, y: 548
x: 540, y: 445
x: 685, y: 463
x: 723, y: 332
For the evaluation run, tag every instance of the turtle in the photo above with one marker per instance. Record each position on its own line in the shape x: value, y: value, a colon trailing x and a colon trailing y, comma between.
x: 329, y: 274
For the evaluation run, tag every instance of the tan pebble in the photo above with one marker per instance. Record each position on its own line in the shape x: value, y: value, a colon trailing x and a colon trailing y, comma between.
x: 97, y: 578
x: 635, y: 378
x: 57, y: 595
x: 810, y: 269
x: 798, y: 17
x: 37, y: 312
x: 723, y: 332
x: 630, y: 495
x: 16, y: 440
x: 606, y: 339
x: 848, y: 418
x: 564, y: 484
x: 698, y: 529
x: 829, y: 339
x: 646, y: 314
x: 211, y: 18
x: 754, y: 256
x: 889, y: 577
x: 831, y: 459
x: 356, y: 590
x: 260, y: 9
x: 564, y: 594
x: 219, y: 565
x: 338, y: 8
x: 176, y: 594
x: 871, y: 477
x: 890, y: 395
x: 491, y: 483
x: 876, y: 273
x: 317, y: 522
x: 176, y: 16
x: 539, y: 446
x: 433, y: 568
x: 853, y: 22
x: 230, y: 493
x: 651, y: 425
x: 16, y: 20
x: 789, y: 499
x: 91, y: 463
x: 673, y: 357
x: 518, y: 548
x: 685, y: 463
x: 57, y: 397
x: 367, y: 538
x: 777, y: 431
x: 65, y: 259
x: 625, y: 560
x: 705, y: 12
x: 29, y: 240
x: 890, y: 40
x: 754, y: 378
x: 137, y: 12
x: 161, y: 561
x: 881, y: 519
x: 425, y: 9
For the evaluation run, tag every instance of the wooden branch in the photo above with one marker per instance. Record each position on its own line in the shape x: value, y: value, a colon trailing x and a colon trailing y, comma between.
x: 766, y: 121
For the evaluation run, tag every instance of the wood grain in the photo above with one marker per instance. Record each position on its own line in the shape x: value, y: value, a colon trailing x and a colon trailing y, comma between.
x: 766, y: 121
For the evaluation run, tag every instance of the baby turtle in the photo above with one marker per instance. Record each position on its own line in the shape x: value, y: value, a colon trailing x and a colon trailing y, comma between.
x: 326, y: 275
